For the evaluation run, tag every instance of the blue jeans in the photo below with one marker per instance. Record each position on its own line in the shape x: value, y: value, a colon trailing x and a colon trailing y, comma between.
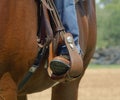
x: 68, y: 16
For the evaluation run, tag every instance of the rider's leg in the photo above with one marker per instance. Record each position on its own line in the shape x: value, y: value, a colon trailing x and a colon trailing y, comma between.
x: 68, y: 16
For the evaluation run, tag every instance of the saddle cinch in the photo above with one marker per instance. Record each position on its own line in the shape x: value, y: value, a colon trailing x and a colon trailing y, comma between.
x: 52, y: 34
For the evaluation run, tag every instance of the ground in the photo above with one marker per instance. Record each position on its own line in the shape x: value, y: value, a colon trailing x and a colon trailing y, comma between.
x: 97, y: 84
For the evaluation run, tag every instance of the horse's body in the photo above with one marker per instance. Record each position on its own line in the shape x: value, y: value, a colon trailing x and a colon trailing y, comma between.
x: 18, y: 48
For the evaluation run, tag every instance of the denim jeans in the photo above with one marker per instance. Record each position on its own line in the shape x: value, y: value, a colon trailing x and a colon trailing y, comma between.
x: 68, y: 16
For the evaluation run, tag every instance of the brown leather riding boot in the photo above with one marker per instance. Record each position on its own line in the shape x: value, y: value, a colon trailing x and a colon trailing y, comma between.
x: 60, y: 65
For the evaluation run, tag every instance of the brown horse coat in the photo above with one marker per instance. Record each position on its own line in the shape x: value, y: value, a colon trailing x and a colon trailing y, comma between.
x: 18, y: 48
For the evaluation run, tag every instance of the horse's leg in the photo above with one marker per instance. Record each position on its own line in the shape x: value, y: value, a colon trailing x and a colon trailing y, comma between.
x: 66, y: 91
x: 23, y: 97
x: 8, y: 88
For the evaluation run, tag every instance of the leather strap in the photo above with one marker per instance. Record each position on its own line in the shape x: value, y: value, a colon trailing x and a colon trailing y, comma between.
x: 45, y: 36
x: 75, y: 59
x: 46, y: 4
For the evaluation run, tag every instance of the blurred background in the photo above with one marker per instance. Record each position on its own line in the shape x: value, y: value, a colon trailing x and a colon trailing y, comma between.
x: 102, y: 77
x: 108, y: 32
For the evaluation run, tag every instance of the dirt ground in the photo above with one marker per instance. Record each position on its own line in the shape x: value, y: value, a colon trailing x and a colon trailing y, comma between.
x: 97, y: 84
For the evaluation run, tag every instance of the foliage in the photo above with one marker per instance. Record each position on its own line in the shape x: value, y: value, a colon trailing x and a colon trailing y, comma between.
x: 108, y: 22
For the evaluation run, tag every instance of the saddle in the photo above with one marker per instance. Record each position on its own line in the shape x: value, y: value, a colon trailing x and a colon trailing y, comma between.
x: 53, y: 34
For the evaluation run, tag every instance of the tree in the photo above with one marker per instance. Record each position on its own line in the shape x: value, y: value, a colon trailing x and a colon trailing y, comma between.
x: 108, y: 23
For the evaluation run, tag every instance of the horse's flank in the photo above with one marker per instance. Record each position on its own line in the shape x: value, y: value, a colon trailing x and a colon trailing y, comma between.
x: 18, y: 44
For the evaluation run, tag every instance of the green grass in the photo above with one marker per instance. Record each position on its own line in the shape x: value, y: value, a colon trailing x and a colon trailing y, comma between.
x: 103, y: 66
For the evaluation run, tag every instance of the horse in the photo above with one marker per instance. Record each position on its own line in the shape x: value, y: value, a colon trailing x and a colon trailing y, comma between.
x: 19, y: 47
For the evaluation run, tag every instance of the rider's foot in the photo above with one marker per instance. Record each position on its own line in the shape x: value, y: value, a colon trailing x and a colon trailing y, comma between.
x: 60, y: 65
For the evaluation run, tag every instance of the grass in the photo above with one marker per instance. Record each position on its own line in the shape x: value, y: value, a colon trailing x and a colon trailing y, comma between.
x: 103, y: 66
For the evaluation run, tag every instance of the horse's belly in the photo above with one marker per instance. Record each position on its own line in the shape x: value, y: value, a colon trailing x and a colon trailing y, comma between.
x: 38, y: 82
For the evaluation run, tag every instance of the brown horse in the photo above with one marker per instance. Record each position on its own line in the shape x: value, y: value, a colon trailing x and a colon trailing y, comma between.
x: 18, y: 48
